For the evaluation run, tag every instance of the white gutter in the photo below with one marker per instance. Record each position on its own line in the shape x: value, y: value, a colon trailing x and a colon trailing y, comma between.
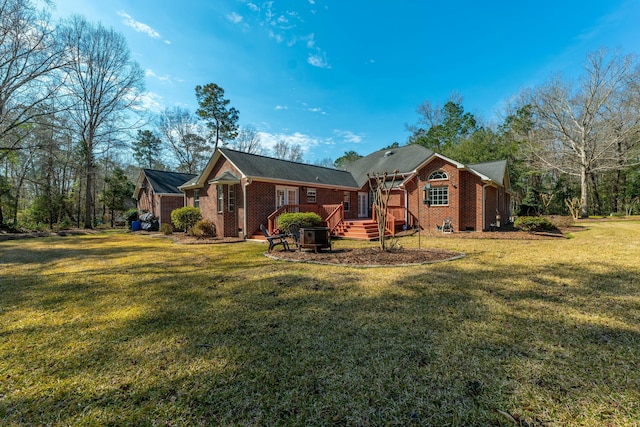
x: 244, y: 204
x: 484, y: 195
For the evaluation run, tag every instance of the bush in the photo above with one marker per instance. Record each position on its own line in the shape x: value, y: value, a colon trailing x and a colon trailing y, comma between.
x: 560, y: 221
x: 533, y: 223
x: 166, y: 229
x: 303, y: 219
x: 130, y: 216
x: 203, y: 228
x: 185, y: 218
x: 65, y: 223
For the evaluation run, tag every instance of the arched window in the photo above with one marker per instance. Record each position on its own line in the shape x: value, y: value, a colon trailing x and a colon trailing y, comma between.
x: 438, y: 175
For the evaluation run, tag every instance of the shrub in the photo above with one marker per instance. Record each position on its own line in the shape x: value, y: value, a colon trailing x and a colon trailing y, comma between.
x: 130, y: 216
x: 185, y: 218
x: 533, y: 223
x: 203, y: 228
x: 560, y: 221
x: 303, y: 219
x: 65, y: 223
x: 166, y: 229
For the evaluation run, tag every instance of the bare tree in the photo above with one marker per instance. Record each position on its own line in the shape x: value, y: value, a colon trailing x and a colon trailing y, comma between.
x: 248, y: 140
x: 283, y: 150
x: 592, y: 125
x: 382, y: 193
x: 30, y: 55
x: 183, y: 135
x: 103, y: 84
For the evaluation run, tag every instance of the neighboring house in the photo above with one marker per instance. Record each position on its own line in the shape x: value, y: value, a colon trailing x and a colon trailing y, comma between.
x: 157, y: 192
x: 239, y: 191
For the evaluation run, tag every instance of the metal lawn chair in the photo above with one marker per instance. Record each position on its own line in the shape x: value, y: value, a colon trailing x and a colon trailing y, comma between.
x: 274, y: 239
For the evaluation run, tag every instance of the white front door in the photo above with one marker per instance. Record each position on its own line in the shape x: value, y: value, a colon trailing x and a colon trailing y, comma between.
x: 363, y: 205
x: 286, y: 196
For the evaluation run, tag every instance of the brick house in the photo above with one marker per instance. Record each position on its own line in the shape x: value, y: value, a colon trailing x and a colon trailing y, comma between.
x: 240, y: 191
x: 157, y: 192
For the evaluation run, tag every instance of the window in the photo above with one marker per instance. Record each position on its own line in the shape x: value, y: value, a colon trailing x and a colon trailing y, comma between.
x: 439, y: 196
x: 219, y: 187
x: 438, y: 175
x: 311, y: 195
x: 196, y: 198
x: 347, y: 200
x: 231, y: 200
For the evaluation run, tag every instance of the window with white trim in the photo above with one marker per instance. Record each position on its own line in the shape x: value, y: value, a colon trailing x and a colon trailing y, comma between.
x: 439, y: 196
x: 231, y: 199
x: 196, y: 198
x: 438, y: 175
x: 220, y: 190
x: 346, y: 201
x: 311, y: 195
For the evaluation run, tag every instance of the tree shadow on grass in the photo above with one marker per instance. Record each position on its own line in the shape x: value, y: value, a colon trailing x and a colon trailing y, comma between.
x: 258, y: 344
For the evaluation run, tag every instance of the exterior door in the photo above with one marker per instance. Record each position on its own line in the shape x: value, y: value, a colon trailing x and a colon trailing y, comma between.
x: 286, y: 196
x: 363, y: 205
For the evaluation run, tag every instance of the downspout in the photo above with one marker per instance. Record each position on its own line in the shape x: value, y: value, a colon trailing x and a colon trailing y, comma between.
x: 484, y: 195
x: 244, y: 204
x: 159, y: 208
x: 406, y: 208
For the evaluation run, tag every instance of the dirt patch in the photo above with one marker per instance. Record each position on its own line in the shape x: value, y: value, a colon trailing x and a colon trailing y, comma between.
x: 185, y: 239
x: 368, y: 257
x: 33, y: 234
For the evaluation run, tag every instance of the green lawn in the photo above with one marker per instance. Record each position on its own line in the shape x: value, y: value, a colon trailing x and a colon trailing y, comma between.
x: 120, y: 329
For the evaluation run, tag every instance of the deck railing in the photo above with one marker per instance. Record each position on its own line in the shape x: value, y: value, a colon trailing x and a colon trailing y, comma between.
x: 335, y: 218
x: 394, y: 213
x: 331, y: 214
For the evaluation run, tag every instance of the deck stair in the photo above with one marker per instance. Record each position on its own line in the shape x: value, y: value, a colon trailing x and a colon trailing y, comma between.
x: 358, y: 230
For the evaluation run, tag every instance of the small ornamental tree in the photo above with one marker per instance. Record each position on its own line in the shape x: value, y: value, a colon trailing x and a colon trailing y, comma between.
x: 381, y: 202
x: 185, y: 218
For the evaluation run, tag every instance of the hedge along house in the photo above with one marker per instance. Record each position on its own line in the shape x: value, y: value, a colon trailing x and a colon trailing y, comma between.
x: 157, y: 192
x: 240, y: 191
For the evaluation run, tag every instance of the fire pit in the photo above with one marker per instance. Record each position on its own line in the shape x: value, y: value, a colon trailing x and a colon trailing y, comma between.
x: 315, y: 238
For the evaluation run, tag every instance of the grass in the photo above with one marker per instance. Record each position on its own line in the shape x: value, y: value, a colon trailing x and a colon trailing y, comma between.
x: 120, y: 329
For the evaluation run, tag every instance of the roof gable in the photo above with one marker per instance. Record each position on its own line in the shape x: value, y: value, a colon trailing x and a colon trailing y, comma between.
x: 277, y: 170
x: 405, y: 160
x: 163, y: 182
x: 496, y: 171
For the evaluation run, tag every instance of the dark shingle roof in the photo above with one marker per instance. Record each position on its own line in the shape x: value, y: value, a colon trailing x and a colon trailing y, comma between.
x: 164, y: 182
x: 495, y: 171
x: 257, y: 166
x: 403, y: 159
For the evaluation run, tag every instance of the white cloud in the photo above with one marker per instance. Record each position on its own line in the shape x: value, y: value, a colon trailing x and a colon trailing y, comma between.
x: 278, y: 38
x: 165, y: 78
x: 318, y: 60
x: 149, y: 102
x: 137, y: 25
x: 281, y: 107
x: 253, y: 7
x: 307, y: 142
x: 310, y: 39
x: 348, y: 136
x: 235, y: 18
x: 317, y: 110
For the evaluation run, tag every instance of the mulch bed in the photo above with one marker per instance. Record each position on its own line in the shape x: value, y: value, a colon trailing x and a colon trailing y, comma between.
x: 368, y: 257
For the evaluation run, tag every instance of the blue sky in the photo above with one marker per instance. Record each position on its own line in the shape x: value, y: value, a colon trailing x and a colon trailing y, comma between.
x: 335, y: 76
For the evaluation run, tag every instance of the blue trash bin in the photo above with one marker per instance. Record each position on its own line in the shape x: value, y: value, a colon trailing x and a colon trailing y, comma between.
x: 135, y: 225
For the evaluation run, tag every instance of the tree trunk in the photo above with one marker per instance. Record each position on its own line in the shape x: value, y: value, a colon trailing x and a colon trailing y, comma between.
x: 88, y: 202
x: 584, y: 192
x: 597, y: 208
